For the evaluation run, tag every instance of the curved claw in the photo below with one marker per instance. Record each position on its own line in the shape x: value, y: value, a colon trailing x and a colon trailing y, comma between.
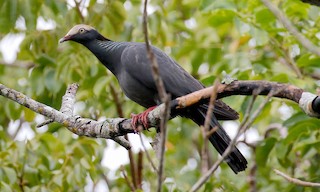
x: 141, y: 119
x: 134, y: 122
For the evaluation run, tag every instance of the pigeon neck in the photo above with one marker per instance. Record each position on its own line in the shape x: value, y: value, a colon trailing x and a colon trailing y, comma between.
x: 108, y: 52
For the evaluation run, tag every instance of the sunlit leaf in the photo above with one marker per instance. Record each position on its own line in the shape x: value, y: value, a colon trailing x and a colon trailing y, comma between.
x: 263, y: 151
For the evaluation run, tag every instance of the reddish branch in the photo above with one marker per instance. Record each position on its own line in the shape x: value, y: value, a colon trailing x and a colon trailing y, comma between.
x: 242, y: 88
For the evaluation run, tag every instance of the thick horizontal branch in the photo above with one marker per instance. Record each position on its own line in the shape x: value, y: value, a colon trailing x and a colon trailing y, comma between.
x: 76, y: 124
x: 113, y: 128
x: 309, y: 102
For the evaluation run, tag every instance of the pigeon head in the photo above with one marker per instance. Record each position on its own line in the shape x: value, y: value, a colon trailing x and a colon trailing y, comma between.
x: 82, y: 33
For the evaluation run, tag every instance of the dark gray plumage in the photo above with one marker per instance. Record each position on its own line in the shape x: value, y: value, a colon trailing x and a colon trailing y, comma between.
x: 128, y: 61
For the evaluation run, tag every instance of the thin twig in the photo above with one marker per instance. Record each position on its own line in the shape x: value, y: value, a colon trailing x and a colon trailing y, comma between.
x: 77, y: 6
x: 163, y: 140
x: 296, y: 181
x: 116, y: 100
x: 229, y: 149
x: 248, y: 111
x: 68, y: 101
x: 21, y: 180
x: 147, y: 154
x: 126, y: 178
x: 286, y: 59
x: 154, y: 63
x: 252, y: 178
x: 162, y: 94
x: 104, y: 177
x: 206, y: 129
x: 291, y: 28
x: 139, y: 169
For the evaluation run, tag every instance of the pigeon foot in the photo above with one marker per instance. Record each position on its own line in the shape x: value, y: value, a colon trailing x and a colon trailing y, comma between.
x: 141, y: 119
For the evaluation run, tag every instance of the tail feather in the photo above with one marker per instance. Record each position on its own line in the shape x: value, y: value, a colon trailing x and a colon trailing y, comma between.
x: 220, y: 139
x: 235, y: 159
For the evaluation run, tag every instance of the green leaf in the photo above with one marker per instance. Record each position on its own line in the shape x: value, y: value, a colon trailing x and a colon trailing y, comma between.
x: 50, y: 82
x: 100, y: 85
x: 5, y: 187
x: 263, y: 151
x: 8, y: 15
x: 31, y: 175
x: 221, y: 16
x: 85, y: 163
x: 11, y: 174
x: 58, y: 179
x: 265, y: 18
x: 13, y: 110
x: 29, y: 115
x: 282, y: 153
x: 45, y: 60
x: 260, y: 36
x: 301, y: 128
x: 294, y: 119
x: 308, y: 60
x: 281, y: 78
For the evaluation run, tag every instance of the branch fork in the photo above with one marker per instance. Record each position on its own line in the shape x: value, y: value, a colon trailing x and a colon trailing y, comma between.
x: 116, y: 128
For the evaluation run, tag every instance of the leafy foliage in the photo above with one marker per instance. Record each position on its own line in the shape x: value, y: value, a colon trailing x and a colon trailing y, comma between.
x: 208, y: 38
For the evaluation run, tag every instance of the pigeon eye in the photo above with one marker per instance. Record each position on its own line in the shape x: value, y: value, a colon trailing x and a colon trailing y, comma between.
x: 82, y: 30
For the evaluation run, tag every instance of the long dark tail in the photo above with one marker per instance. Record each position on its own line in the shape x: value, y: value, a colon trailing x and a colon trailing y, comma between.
x: 219, y: 139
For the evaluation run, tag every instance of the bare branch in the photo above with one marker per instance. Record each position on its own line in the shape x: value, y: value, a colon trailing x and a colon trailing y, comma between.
x: 127, y: 179
x: 296, y: 181
x: 108, y: 129
x: 112, y: 128
x: 117, y: 102
x: 252, y: 178
x: 147, y: 154
x: 291, y: 28
x: 205, y: 129
x: 78, y: 9
x: 139, y: 169
x: 243, y: 127
x: 68, y: 101
x: 165, y: 98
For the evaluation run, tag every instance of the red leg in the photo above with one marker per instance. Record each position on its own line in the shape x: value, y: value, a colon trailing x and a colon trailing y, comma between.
x: 141, y: 119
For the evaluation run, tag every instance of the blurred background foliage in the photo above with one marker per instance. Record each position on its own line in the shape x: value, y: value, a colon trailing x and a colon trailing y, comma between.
x: 209, y: 38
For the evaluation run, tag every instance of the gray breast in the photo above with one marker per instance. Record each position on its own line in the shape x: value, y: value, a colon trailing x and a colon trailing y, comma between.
x: 136, y: 91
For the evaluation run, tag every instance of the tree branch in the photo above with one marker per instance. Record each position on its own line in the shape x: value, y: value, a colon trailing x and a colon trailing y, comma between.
x: 112, y: 128
x: 243, y: 127
x: 132, y: 163
x: 291, y: 28
x: 81, y: 126
x: 206, y: 132
x: 165, y: 98
x: 296, y: 181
